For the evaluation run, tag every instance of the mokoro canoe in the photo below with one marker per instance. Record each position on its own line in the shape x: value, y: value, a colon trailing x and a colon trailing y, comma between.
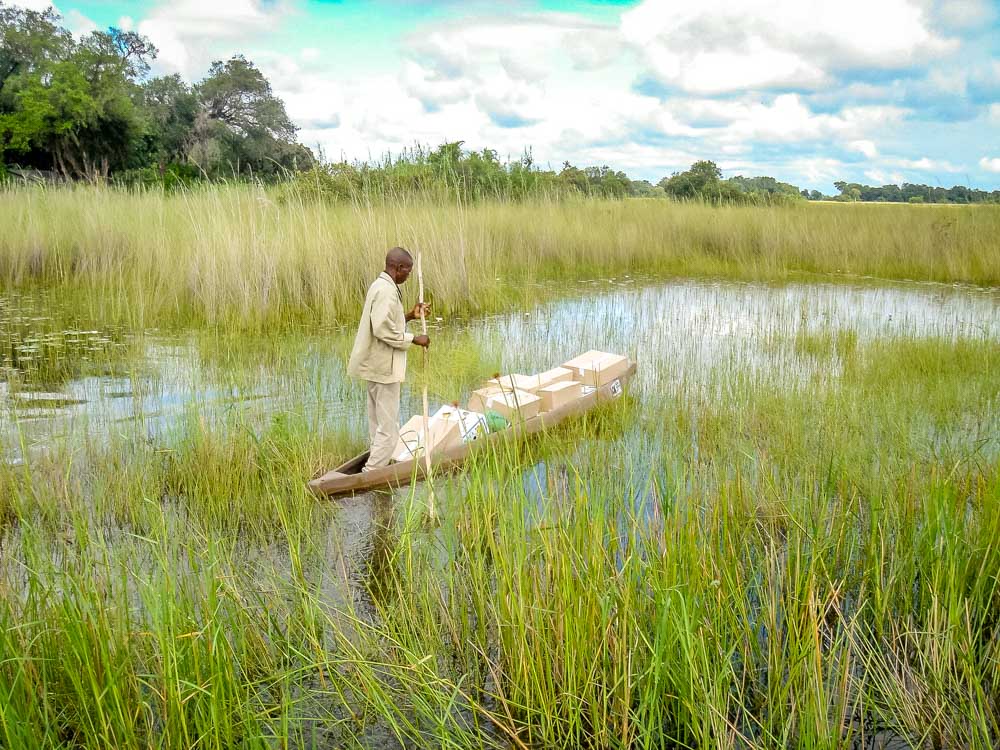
x: 349, y: 479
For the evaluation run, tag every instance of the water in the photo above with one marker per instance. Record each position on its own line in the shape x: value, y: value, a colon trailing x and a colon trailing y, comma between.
x: 679, y: 331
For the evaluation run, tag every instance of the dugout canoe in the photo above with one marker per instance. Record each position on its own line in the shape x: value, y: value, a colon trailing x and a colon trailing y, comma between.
x: 348, y: 479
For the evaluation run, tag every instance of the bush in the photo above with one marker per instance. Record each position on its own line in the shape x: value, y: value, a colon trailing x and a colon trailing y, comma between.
x: 174, y: 176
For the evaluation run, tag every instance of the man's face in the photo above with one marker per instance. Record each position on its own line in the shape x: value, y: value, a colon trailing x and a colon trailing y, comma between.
x: 401, y: 272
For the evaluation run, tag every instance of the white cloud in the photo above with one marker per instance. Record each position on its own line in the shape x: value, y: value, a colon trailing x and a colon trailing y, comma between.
x: 78, y: 23
x: 592, y: 49
x: 926, y: 165
x: 630, y: 157
x: 785, y: 119
x: 38, y: 5
x: 817, y: 169
x: 718, y: 46
x: 994, y: 113
x: 961, y: 14
x: 510, y: 58
x: 126, y: 23
x: 865, y: 147
x: 433, y: 90
x: 190, y: 33
x: 879, y: 177
x: 990, y: 164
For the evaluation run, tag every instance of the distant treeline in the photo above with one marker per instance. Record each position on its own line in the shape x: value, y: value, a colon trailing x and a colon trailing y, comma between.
x: 703, y: 181
x: 907, y: 193
x: 87, y: 110
x: 449, y: 172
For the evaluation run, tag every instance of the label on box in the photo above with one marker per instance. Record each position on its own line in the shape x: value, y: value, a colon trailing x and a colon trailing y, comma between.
x: 616, y: 388
x: 588, y: 389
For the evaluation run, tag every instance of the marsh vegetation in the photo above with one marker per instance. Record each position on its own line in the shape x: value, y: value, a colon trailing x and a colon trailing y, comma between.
x: 242, y: 256
x: 784, y: 536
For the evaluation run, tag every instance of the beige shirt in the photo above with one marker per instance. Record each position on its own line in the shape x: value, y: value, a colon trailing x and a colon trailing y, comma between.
x: 379, y: 353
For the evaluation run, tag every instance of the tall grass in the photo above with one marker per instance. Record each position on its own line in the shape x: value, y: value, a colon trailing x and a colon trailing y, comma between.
x: 238, y: 255
x: 812, y: 566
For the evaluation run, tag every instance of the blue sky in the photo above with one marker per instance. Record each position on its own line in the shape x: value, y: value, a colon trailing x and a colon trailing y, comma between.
x: 809, y: 91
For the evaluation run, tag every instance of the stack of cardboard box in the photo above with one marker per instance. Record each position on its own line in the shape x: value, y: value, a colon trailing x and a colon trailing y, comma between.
x: 554, y: 388
x: 515, y: 397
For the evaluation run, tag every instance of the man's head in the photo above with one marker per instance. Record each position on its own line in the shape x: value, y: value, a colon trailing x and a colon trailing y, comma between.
x: 398, y: 264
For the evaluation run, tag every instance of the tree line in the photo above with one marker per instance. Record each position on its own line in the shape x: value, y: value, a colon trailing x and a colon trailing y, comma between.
x: 87, y: 109
x: 449, y: 171
x: 909, y: 192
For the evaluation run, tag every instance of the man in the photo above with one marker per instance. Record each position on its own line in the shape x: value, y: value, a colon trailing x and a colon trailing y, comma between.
x: 379, y: 354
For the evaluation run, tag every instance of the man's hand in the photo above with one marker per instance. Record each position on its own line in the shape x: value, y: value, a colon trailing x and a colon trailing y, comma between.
x: 415, y: 312
x: 422, y: 340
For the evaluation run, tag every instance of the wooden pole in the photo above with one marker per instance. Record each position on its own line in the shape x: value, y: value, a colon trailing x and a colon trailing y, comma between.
x: 427, y: 432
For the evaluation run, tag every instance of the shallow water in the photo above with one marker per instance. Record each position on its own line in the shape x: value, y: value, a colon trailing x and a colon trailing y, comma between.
x: 679, y: 331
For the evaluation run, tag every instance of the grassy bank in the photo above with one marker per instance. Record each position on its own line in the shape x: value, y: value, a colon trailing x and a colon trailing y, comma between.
x: 741, y: 564
x: 238, y: 255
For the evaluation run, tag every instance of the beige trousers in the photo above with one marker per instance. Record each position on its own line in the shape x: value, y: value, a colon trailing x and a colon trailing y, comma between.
x: 383, y: 423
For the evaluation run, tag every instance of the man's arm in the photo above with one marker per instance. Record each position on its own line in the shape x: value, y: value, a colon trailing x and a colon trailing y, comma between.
x: 384, y: 325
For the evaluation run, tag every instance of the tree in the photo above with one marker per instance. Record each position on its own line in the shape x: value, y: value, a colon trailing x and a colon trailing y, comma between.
x: 85, y: 108
x: 171, y: 110
x: 701, y: 181
x: 574, y: 178
x: 112, y: 62
x: 607, y: 182
x: 69, y: 105
x: 243, y: 126
x: 766, y: 187
x: 29, y: 42
x: 237, y: 94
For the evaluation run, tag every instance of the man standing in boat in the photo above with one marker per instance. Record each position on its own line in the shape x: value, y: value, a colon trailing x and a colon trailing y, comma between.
x: 379, y: 354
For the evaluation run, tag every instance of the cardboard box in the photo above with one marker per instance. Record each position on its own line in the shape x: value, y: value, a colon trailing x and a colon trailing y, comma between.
x: 471, y: 425
x: 558, y: 394
x: 511, y: 383
x: 596, y: 368
x: 532, y: 383
x: 549, y: 377
x: 513, y: 405
x: 444, y: 434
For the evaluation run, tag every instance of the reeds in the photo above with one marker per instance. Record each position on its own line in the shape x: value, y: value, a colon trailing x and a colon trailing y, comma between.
x: 238, y: 255
x: 811, y: 565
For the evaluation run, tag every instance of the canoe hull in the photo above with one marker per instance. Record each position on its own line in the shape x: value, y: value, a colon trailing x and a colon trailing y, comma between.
x: 348, y: 479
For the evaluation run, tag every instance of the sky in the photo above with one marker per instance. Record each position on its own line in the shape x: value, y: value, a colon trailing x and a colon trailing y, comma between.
x: 808, y: 91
